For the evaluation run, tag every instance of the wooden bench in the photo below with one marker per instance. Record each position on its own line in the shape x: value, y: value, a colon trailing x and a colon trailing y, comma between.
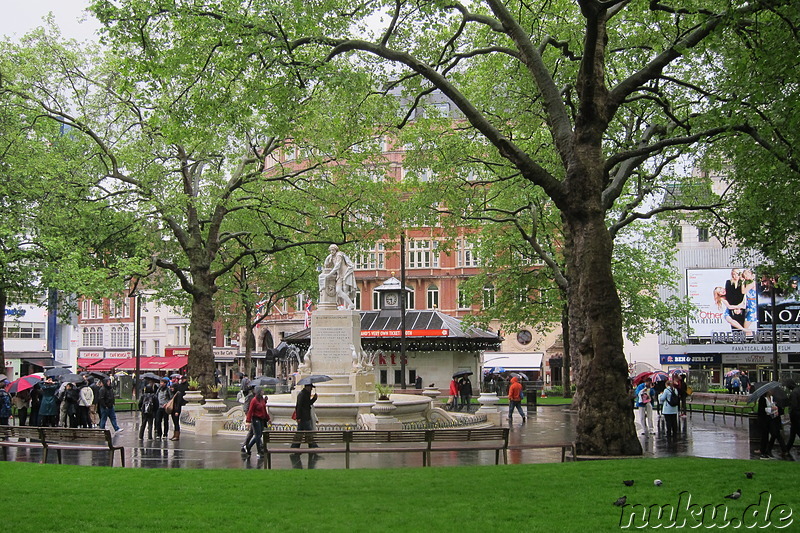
x: 91, y: 439
x: 425, y: 441
x: 58, y: 439
x: 565, y: 445
x: 26, y: 437
x: 720, y: 402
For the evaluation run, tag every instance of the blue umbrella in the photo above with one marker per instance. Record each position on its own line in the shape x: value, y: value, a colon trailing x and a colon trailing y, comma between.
x: 496, y: 370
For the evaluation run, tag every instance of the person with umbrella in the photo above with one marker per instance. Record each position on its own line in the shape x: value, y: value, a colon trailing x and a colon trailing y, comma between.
x: 305, y: 421
x: 71, y: 398
x: 465, y: 391
x: 22, y: 401
x: 48, y: 407
x: 769, y: 421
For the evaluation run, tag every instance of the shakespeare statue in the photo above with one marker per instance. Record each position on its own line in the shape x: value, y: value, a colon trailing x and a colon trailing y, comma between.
x: 337, y: 283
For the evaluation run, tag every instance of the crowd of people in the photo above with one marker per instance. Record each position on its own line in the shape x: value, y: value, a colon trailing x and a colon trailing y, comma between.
x: 90, y: 403
x: 665, y: 398
x: 50, y: 403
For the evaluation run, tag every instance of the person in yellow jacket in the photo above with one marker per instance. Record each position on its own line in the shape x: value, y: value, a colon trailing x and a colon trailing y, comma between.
x: 515, y: 399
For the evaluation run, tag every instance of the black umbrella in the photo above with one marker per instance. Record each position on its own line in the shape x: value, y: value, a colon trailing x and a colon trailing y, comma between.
x: 461, y: 373
x: 779, y: 395
x: 71, y: 378
x: 58, y: 371
x: 260, y: 381
x: 150, y: 375
x: 316, y: 378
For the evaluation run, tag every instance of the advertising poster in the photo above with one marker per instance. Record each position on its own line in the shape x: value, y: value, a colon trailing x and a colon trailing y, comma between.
x: 726, y: 300
x: 787, y: 304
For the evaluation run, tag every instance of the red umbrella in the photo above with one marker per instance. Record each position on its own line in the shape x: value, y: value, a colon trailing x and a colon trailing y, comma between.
x: 640, y: 377
x: 23, y: 383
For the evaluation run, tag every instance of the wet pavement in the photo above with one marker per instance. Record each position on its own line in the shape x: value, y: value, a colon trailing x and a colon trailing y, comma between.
x: 728, y: 438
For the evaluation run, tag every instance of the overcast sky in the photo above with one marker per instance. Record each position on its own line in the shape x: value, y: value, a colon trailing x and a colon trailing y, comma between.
x: 18, y: 17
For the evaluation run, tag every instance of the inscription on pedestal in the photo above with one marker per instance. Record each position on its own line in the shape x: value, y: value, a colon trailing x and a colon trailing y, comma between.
x: 333, y: 341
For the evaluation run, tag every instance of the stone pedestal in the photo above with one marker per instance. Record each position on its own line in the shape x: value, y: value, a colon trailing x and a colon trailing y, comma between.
x: 383, y: 410
x: 210, y: 420
x: 335, y: 342
x: 488, y: 401
x: 193, y: 397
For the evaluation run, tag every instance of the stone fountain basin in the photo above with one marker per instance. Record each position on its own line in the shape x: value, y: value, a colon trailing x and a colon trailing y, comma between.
x: 410, y: 408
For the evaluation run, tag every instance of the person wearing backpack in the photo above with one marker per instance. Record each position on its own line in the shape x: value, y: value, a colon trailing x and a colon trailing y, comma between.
x: 670, y: 400
x: 148, y: 405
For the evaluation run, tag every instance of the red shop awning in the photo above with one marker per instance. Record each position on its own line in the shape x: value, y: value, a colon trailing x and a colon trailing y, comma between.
x: 145, y: 363
x: 176, y: 363
x: 86, y: 362
x: 109, y: 363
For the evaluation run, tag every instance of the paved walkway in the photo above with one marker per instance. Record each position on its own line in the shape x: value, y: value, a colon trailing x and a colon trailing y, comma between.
x: 719, y: 438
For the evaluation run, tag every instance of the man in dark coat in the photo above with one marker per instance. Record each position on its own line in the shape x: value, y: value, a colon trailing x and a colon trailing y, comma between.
x: 106, y: 404
x: 305, y: 420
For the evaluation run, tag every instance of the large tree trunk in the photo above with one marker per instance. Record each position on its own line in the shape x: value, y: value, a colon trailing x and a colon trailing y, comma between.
x: 605, y: 413
x: 201, y: 351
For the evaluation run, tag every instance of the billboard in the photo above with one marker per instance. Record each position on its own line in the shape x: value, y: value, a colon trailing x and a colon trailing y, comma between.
x: 725, y: 300
x: 786, y: 313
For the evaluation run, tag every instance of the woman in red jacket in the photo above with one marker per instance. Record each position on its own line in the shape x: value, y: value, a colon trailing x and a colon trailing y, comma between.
x: 258, y: 416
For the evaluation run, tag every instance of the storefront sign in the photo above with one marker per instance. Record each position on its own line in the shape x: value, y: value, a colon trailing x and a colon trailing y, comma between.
x: 19, y: 313
x: 119, y: 355
x: 707, y: 359
x: 365, y: 333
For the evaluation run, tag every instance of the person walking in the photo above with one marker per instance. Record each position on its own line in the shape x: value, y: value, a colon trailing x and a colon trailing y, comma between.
x: 515, y: 400
x: 769, y: 423
x: 258, y: 417
x: 148, y: 405
x: 644, y: 405
x: 670, y: 401
x: 85, y: 400
x: 249, y: 395
x: 106, y: 404
x: 305, y: 420
x: 163, y: 396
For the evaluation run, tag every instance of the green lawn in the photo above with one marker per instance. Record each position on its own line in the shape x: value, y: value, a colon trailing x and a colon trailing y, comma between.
x: 568, y: 497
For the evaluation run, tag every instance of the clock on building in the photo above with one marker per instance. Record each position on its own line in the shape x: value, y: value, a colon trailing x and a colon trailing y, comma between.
x: 524, y: 337
x: 390, y: 300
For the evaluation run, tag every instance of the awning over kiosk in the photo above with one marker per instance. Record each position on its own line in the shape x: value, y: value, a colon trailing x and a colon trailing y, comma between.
x: 513, y: 361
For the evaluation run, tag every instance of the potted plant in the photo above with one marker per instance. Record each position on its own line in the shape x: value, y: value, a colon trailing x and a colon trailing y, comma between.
x: 194, y: 384
x: 383, y: 391
x: 213, y: 390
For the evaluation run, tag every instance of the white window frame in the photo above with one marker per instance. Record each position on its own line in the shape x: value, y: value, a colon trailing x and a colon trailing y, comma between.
x: 422, y: 253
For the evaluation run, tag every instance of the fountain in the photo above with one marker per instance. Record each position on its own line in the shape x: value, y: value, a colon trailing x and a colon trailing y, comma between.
x: 348, y: 399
